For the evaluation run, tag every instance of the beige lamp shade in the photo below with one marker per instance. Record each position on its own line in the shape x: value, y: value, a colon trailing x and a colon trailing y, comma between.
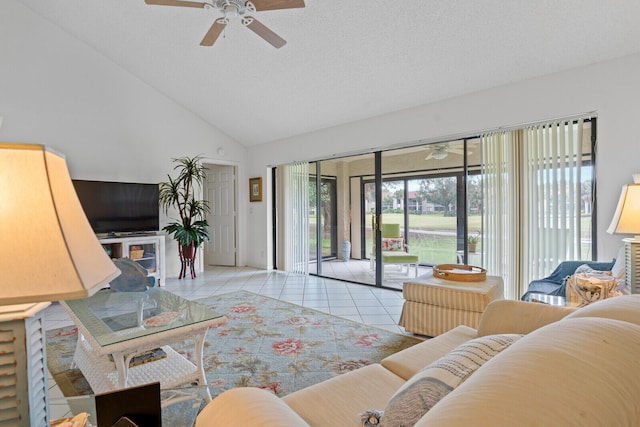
x: 626, y: 219
x: 48, y: 250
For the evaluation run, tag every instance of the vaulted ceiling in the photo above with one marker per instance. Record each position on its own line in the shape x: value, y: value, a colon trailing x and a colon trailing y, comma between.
x: 344, y: 60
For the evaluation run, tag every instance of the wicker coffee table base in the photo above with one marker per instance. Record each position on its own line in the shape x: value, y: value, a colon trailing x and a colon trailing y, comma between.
x: 174, y: 370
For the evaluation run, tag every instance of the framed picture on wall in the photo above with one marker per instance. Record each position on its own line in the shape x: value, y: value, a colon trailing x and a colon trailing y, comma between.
x: 255, y: 189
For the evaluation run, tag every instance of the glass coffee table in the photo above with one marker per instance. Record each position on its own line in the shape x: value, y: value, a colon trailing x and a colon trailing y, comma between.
x: 124, y: 337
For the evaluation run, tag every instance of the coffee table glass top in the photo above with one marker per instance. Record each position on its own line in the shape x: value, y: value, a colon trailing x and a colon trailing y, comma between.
x: 114, y: 317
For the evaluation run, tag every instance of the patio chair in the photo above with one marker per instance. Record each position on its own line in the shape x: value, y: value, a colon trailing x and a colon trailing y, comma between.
x: 555, y: 283
x: 394, y: 250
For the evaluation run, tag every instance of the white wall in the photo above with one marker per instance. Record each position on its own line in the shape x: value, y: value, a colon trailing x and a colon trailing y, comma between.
x: 57, y: 91
x: 611, y: 89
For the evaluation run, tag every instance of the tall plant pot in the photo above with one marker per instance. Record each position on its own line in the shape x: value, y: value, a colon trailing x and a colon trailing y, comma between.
x: 187, y: 260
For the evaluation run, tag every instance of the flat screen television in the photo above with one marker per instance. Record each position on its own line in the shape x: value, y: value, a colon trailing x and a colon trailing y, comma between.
x: 119, y: 207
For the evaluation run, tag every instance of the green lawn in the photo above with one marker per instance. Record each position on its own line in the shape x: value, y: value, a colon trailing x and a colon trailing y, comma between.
x: 432, y: 221
x: 432, y: 236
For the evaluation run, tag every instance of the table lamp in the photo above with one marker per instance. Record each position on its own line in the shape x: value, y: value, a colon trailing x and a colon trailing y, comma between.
x: 626, y: 220
x: 48, y: 251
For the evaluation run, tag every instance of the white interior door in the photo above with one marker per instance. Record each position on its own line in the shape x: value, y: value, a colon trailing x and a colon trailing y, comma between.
x: 219, y: 190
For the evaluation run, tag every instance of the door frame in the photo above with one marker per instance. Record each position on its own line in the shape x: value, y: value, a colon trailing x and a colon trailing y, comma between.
x: 236, y: 233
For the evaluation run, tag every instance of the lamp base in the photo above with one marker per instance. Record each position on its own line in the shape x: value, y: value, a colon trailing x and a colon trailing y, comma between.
x: 632, y: 264
x: 23, y: 367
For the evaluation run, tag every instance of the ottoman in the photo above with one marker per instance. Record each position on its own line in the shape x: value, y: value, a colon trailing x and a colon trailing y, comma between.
x: 433, y: 306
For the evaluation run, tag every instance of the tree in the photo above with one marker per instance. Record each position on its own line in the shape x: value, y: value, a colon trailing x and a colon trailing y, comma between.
x: 474, y: 193
x: 325, y: 199
x: 441, y: 191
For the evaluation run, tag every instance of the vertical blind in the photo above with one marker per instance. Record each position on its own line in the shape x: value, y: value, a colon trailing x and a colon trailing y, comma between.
x: 297, y: 218
x: 500, y: 220
x: 551, y: 208
x: 532, y: 201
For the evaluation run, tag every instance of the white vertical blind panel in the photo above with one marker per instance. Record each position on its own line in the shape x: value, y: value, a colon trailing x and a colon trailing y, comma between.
x: 532, y: 196
x: 500, y: 219
x: 552, y: 196
x: 577, y: 186
x: 297, y: 253
x: 565, y: 178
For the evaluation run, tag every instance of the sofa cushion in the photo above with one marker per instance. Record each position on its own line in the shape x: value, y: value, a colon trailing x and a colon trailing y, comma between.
x: 407, y: 362
x: 340, y: 400
x: 576, y: 372
x: 248, y: 406
x: 625, y: 308
x: 439, y: 378
x: 518, y: 317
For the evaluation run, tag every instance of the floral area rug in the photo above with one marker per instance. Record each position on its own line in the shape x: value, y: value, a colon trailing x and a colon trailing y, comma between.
x: 266, y: 343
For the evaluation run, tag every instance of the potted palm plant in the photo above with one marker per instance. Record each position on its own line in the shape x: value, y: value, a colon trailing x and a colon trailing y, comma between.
x: 190, y: 230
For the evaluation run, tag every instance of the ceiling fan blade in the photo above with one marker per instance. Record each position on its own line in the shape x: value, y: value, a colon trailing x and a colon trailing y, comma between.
x: 213, y: 33
x: 456, y: 151
x: 260, y: 29
x: 430, y: 156
x: 176, y: 3
x: 261, y: 5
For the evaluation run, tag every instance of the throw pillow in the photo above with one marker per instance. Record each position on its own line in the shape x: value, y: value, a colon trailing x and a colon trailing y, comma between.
x: 586, y: 269
x: 393, y: 244
x: 439, y: 378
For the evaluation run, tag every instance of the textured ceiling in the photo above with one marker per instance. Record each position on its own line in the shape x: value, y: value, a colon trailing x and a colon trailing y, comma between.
x: 344, y: 60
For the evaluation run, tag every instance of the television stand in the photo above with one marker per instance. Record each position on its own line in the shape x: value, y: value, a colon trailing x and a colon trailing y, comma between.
x: 138, y: 233
x: 145, y: 249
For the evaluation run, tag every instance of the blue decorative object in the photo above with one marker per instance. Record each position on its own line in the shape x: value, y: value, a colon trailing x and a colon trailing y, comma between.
x: 133, y: 278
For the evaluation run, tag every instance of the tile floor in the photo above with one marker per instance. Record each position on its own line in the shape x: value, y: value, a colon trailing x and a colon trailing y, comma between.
x: 360, y: 271
x: 366, y: 304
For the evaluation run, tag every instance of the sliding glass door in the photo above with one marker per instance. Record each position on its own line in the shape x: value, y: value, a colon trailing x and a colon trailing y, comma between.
x: 445, y: 201
x: 420, y: 192
x: 433, y: 225
x: 323, y: 221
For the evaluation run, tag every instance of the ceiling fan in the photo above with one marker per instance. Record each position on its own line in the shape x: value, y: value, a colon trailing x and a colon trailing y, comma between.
x: 241, y: 9
x: 441, y: 151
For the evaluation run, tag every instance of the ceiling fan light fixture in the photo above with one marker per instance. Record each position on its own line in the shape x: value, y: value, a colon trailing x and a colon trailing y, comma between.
x: 439, y: 155
x: 230, y: 11
x: 230, y: 8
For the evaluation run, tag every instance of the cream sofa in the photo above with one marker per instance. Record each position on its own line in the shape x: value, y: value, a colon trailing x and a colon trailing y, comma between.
x: 572, y: 368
